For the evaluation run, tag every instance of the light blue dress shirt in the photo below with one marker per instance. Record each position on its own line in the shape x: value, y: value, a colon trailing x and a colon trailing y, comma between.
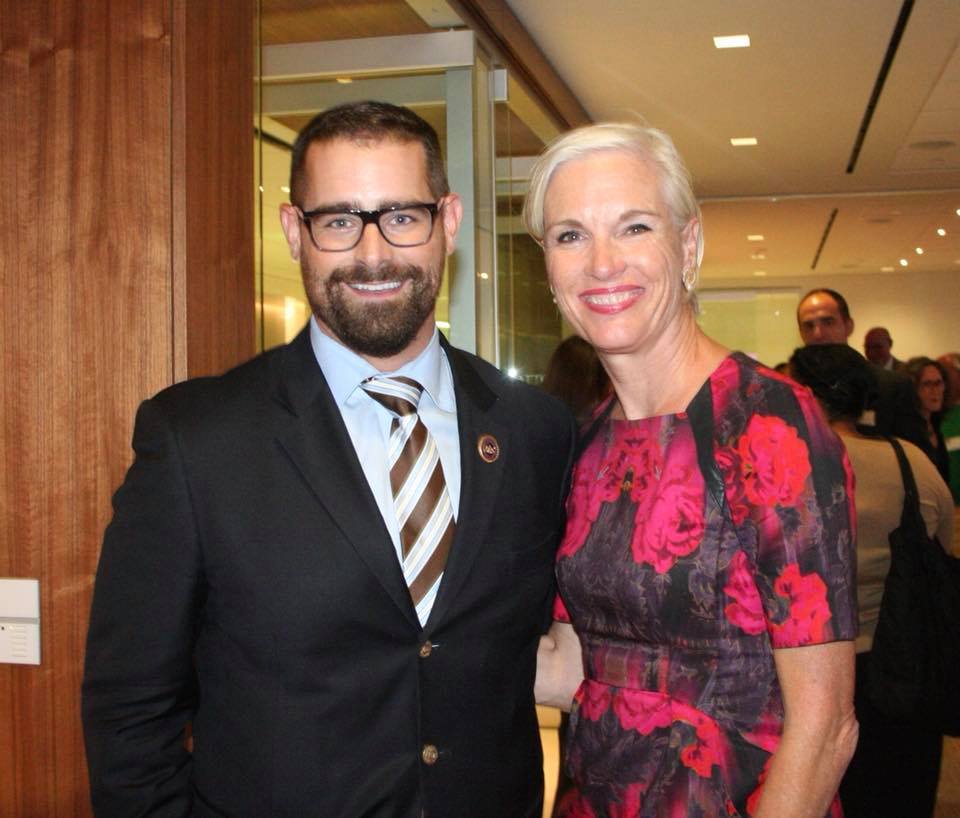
x: 368, y: 422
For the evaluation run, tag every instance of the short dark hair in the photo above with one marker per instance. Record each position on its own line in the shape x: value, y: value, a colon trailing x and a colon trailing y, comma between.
x: 839, y: 376
x: 841, y: 301
x: 368, y: 121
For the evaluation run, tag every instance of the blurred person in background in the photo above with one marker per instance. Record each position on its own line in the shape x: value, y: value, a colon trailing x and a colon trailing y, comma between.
x: 950, y: 422
x: 576, y: 376
x: 877, y: 346
x: 896, y: 765
x: 704, y: 628
x: 930, y: 381
x: 823, y: 317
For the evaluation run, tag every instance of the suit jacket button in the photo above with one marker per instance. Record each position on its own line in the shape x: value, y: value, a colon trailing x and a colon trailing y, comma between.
x: 425, y: 649
x: 429, y: 754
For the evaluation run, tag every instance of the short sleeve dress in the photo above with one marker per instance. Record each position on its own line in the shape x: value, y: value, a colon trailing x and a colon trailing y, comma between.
x: 680, y: 589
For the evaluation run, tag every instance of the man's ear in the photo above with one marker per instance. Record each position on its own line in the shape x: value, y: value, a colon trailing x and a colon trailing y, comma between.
x: 849, y: 324
x: 290, y: 221
x: 452, y: 214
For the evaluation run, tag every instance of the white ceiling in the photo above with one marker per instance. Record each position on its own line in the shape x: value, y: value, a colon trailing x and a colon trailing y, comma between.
x: 802, y: 89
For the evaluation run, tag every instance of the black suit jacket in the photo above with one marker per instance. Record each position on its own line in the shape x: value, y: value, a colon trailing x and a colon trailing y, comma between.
x: 247, y: 584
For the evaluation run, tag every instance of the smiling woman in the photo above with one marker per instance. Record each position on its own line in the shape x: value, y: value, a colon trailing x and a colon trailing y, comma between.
x: 699, y: 575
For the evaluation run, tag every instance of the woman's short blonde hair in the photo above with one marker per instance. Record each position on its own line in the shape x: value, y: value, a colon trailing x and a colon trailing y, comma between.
x: 647, y: 143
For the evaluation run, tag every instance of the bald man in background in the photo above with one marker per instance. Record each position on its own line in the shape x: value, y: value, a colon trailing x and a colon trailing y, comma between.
x: 823, y: 317
x: 877, y: 346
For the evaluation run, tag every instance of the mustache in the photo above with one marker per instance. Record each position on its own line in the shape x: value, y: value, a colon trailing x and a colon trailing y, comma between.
x: 360, y: 273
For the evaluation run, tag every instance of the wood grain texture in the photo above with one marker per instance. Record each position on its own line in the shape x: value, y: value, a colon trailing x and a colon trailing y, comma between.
x: 213, y: 178
x: 87, y: 217
x: 302, y: 21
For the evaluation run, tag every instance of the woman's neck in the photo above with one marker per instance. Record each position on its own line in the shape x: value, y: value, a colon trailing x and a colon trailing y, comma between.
x: 664, y: 379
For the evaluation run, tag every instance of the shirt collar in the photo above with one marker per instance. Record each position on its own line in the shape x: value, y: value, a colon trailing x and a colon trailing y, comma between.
x: 344, y: 370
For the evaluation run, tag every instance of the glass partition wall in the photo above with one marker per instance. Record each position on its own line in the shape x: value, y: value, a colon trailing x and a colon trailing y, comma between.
x: 494, y: 300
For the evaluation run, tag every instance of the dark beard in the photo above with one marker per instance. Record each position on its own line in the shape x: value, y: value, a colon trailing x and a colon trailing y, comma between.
x: 376, y: 330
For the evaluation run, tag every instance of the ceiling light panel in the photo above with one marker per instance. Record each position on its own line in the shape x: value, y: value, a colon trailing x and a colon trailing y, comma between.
x: 742, y: 141
x: 732, y: 41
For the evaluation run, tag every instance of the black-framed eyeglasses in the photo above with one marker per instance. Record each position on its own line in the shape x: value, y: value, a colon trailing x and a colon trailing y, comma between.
x: 335, y: 230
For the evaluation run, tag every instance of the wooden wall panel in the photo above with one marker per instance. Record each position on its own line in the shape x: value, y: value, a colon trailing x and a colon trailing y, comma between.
x: 101, y: 232
x: 213, y: 173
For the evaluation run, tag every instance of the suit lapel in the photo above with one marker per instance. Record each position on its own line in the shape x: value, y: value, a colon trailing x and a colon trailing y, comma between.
x: 317, y: 442
x: 480, y: 476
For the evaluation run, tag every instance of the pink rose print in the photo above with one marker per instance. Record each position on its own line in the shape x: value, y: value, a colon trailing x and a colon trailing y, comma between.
x: 673, y: 526
x: 594, y: 700
x: 642, y: 711
x: 574, y: 805
x: 809, y: 612
x: 629, y: 804
x: 728, y: 461
x: 706, y: 750
x: 584, y: 501
x: 724, y: 384
x: 599, y: 478
x: 775, y: 462
x: 746, y: 610
x: 639, y: 448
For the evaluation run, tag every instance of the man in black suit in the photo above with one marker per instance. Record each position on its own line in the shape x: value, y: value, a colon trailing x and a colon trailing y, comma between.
x: 255, y: 581
x: 823, y: 317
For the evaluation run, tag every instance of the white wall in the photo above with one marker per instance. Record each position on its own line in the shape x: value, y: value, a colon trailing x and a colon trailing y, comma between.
x: 921, y: 310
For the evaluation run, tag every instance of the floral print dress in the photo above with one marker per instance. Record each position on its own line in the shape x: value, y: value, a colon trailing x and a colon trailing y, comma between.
x: 680, y: 593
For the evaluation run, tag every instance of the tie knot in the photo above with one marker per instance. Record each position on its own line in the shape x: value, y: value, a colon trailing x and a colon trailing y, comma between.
x: 400, y: 395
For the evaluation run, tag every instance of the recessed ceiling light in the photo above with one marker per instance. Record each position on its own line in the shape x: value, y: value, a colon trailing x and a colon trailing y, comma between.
x: 941, y: 231
x: 759, y: 272
x: 743, y: 141
x: 958, y: 211
x: 284, y: 189
x: 484, y: 276
x: 344, y: 80
x: 755, y: 237
x: 886, y: 269
x: 904, y: 262
x: 918, y: 251
x: 732, y: 41
x: 758, y: 256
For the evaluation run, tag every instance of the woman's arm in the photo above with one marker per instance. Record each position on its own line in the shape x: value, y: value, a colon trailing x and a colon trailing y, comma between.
x: 559, y: 667
x: 819, y: 731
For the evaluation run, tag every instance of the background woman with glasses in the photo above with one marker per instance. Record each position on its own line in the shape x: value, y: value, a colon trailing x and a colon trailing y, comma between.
x: 930, y: 381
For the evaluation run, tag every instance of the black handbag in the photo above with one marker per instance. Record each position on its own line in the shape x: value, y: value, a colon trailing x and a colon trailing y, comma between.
x: 914, y: 666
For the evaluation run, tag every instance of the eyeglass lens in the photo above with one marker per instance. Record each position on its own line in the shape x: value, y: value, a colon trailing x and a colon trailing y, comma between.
x: 402, y: 227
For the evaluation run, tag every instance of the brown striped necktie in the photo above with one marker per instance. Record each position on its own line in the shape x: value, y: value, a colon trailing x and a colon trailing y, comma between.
x: 420, y: 497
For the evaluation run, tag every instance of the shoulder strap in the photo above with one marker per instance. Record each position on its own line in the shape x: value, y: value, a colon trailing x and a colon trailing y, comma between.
x: 911, y: 498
